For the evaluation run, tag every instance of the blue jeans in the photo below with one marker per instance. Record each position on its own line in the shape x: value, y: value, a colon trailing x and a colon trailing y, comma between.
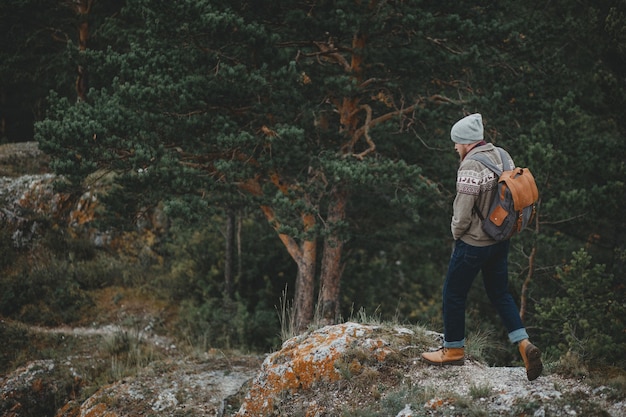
x: 465, y: 263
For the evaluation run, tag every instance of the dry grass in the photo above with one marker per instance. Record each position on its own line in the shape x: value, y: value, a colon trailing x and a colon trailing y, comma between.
x: 22, y: 158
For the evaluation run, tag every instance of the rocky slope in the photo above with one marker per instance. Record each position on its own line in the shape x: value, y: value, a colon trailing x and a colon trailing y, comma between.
x: 356, y: 369
x: 349, y: 369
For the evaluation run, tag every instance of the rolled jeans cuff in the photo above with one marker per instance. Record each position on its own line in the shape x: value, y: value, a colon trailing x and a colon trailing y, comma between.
x: 518, y: 335
x: 457, y: 344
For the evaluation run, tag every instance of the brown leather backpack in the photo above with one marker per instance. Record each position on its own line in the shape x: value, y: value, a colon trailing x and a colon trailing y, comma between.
x: 515, y: 203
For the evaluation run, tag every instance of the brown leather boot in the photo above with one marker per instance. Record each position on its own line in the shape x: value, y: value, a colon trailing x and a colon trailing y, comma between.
x: 445, y: 356
x: 532, y: 359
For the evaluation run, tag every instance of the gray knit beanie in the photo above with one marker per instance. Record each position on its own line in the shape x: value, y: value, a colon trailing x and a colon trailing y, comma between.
x: 468, y: 130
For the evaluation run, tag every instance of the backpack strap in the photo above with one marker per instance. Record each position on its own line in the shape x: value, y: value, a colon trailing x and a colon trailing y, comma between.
x: 483, y: 159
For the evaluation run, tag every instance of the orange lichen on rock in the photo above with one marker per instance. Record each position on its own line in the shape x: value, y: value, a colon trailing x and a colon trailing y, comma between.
x: 99, y: 410
x: 307, y: 360
x: 95, y: 406
x: 85, y: 210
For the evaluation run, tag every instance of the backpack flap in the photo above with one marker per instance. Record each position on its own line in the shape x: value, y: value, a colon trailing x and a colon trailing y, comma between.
x: 521, y: 184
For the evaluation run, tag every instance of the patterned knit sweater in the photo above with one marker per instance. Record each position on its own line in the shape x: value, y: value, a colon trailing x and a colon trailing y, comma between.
x: 476, y: 186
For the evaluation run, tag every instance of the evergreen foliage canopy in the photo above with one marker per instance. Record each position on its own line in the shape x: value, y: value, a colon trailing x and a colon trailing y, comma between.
x: 333, y: 115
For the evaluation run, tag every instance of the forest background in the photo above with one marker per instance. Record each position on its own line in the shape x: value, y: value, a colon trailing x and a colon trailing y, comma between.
x: 297, y: 160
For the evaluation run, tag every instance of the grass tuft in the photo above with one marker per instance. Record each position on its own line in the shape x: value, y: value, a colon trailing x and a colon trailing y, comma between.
x: 128, y: 353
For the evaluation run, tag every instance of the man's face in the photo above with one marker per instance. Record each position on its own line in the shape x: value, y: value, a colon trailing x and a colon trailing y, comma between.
x: 461, y: 149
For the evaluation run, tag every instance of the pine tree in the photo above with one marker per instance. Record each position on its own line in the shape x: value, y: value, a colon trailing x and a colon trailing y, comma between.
x: 281, y: 102
x: 308, y: 109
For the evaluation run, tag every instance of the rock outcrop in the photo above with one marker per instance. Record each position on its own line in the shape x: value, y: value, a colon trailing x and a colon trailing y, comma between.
x: 115, y: 371
x: 322, y: 358
x: 179, y: 387
x: 28, y: 199
x: 346, y: 369
x: 356, y: 369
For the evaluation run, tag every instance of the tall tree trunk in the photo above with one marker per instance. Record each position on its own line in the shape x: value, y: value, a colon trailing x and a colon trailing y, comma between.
x: 82, y: 9
x: 3, y: 121
x: 332, y: 265
x: 304, y: 297
x: 239, y: 257
x: 230, y: 251
x: 303, y: 253
x: 529, y: 275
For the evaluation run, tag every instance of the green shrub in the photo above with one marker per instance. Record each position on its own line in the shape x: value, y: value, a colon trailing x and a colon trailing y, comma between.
x: 216, y: 323
x: 42, y: 289
x: 263, y: 329
x: 588, y: 316
x: 14, y: 340
x: 7, y: 251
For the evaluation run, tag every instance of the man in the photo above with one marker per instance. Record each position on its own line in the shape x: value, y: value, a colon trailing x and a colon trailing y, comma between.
x: 475, y: 251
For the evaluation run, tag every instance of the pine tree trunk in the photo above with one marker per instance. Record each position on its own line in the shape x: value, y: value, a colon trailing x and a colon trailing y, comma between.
x: 82, y: 9
x: 529, y: 275
x: 305, y: 286
x: 332, y: 267
x: 229, y: 255
x: 305, y: 256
